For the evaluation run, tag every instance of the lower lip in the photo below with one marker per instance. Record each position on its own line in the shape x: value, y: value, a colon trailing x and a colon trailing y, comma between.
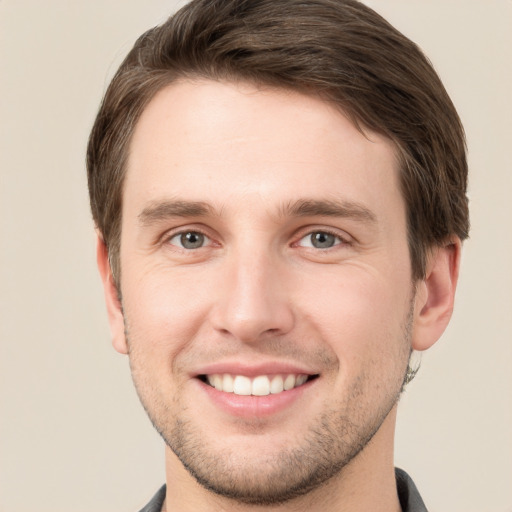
x: 250, y: 406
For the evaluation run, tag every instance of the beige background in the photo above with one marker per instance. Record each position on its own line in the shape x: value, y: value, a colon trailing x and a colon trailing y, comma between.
x: 72, y: 434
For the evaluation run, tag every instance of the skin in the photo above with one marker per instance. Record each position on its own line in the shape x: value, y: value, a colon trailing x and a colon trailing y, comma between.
x: 256, y: 171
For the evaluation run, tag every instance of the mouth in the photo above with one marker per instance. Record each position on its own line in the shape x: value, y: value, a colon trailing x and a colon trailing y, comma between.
x: 260, y: 385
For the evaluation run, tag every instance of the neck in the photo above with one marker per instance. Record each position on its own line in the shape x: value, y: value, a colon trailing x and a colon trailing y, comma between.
x: 366, y: 483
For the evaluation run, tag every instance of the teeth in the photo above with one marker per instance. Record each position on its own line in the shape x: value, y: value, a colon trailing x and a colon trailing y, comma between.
x: 289, y: 382
x: 242, y: 385
x: 228, y: 384
x: 276, y: 385
x: 217, y: 382
x: 261, y: 385
x: 301, y: 379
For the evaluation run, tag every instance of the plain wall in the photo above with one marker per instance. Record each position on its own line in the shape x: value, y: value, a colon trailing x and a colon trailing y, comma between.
x: 72, y: 433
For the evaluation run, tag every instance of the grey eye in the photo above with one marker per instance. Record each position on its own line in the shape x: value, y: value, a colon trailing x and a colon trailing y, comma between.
x: 320, y: 240
x: 192, y: 240
x: 189, y: 240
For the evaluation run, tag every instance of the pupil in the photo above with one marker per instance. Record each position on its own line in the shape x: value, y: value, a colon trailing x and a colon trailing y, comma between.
x: 192, y: 240
x: 322, y: 240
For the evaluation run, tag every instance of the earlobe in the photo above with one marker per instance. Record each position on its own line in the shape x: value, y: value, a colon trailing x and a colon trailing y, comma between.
x: 114, y: 308
x: 435, y: 295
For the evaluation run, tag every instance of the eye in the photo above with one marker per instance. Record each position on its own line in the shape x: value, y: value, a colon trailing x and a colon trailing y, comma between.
x: 189, y: 240
x: 320, y: 240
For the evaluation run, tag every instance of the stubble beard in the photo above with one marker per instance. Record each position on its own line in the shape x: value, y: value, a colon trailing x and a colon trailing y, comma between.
x: 332, y: 442
x: 330, y: 445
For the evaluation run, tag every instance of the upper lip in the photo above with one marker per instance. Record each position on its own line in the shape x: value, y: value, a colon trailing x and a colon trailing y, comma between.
x: 253, y: 370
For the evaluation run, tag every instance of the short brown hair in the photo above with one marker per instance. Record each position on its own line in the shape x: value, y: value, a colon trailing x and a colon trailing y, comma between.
x: 338, y: 50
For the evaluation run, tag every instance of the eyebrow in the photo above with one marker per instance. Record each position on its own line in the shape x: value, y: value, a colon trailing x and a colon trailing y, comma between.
x: 162, y: 210
x: 326, y: 208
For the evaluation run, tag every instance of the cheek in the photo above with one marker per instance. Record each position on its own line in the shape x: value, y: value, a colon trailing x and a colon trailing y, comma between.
x: 361, y: 315
x: 164, y: 309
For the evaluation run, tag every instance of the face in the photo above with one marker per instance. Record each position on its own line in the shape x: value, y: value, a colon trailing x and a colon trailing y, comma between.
x: 266, y: 285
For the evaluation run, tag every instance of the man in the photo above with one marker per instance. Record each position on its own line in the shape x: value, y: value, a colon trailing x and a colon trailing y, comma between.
x: 279, y: 194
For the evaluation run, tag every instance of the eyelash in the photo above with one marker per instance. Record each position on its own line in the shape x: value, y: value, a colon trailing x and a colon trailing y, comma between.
x: 167, y: 239
x: 339, y: 240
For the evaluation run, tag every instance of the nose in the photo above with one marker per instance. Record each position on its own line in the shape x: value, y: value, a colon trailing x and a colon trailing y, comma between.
x: 252, y: 299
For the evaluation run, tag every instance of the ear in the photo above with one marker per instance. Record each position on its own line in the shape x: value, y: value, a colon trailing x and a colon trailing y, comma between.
x: 114, y: 308
x: 435, y: 295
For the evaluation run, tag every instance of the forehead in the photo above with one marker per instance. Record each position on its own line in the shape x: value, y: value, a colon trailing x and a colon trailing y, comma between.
x: 217, y: 141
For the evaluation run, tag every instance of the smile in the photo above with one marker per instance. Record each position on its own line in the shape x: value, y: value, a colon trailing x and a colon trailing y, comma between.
x: 261, y: 385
